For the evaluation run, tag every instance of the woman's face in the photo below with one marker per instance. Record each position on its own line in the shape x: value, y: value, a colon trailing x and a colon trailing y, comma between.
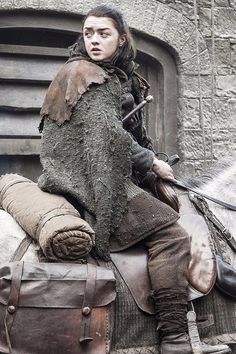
x: 101, y: 38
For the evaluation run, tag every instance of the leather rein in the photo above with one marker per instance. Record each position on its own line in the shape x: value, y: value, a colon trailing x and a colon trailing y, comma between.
x: 217, y: 201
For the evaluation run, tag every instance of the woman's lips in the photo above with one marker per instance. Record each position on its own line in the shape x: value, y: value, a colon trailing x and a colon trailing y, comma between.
x: 95, y: 50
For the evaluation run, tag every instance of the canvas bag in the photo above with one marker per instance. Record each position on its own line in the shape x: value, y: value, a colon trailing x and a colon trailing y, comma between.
x: 58, y: 308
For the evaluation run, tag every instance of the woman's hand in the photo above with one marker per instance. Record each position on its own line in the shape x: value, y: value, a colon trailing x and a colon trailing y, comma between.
x: 162, y: 169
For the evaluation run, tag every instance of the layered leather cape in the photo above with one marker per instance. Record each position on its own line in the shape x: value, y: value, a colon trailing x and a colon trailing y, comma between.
x: 85, y: 151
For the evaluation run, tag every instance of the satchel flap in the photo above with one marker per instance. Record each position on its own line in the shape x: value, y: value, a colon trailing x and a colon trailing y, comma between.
x: 57, y: 285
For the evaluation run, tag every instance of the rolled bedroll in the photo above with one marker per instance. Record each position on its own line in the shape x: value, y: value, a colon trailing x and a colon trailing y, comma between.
x: 48, y: 218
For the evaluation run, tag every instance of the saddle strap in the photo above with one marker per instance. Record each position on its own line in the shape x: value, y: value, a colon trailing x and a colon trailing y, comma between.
x: 202, y: 205
x: 88, y: 303
x: 21, y: 249
x: 217, y: 201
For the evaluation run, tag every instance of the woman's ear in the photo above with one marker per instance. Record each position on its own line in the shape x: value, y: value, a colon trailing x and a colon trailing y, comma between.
x: 122, y: 40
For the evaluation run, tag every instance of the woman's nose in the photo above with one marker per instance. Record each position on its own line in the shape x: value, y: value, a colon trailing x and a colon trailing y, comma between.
x: 95, y: 39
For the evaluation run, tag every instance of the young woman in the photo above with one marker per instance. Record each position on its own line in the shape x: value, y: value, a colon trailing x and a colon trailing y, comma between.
x: 88, y: 155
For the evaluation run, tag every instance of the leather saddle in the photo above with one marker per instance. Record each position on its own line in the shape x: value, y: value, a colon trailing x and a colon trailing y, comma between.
x: 132, y: 264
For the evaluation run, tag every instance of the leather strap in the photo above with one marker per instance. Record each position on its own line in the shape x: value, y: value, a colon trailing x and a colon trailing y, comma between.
x: 15, y: 287
x: 217, y: 201
x: 52, y: 214
x: 88, y: 303
x: 21, y: 249
x: 11, y: 308
x: 202, y: 205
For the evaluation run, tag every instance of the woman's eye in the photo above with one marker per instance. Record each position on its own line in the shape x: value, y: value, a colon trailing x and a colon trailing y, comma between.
x: 104, y: 34
x: 87, y: 34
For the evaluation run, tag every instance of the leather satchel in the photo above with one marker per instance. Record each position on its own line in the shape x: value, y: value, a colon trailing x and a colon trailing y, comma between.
x: 59, y: 308
x: 226, y: 277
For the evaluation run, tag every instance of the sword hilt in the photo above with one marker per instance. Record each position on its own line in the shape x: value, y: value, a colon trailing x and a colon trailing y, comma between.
x: 127, y: 118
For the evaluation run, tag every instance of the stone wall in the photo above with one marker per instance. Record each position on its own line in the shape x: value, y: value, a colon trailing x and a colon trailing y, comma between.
x: 203, y: 43
x: 217, y: 28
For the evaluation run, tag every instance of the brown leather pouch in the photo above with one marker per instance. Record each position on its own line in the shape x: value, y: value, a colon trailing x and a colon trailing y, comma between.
x: 59, y: 308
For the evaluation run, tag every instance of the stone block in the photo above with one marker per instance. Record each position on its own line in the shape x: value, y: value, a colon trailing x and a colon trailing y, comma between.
x: 223, y: 116
x: 141, y: 15
x: 225, y: 20
x: 221, y: 3
x: 186, y: 9
x: 189, y: 86
x: 188, y: 113
x: 224, y: 71
x: 149, y: 16
x: 222, y: 52
x: 160, y: 21
x: 88, y: 5
x: 173, y: 23
x: 182, y: 34
x: 204, y: 3
x: 135, y: 16
x: 191, y: 144
x: 205, y: 22
x: 192, y: 168
x: 190, y: 50
x: 223, y: 143
x: 225, y: 85
x: 191, y: 65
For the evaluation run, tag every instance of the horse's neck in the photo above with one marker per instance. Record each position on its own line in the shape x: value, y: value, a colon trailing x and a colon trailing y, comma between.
x: 223, y: 187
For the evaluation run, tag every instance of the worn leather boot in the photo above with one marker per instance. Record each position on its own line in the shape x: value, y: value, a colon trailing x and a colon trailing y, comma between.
x: 180, y: 344
x: 172, y: 307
